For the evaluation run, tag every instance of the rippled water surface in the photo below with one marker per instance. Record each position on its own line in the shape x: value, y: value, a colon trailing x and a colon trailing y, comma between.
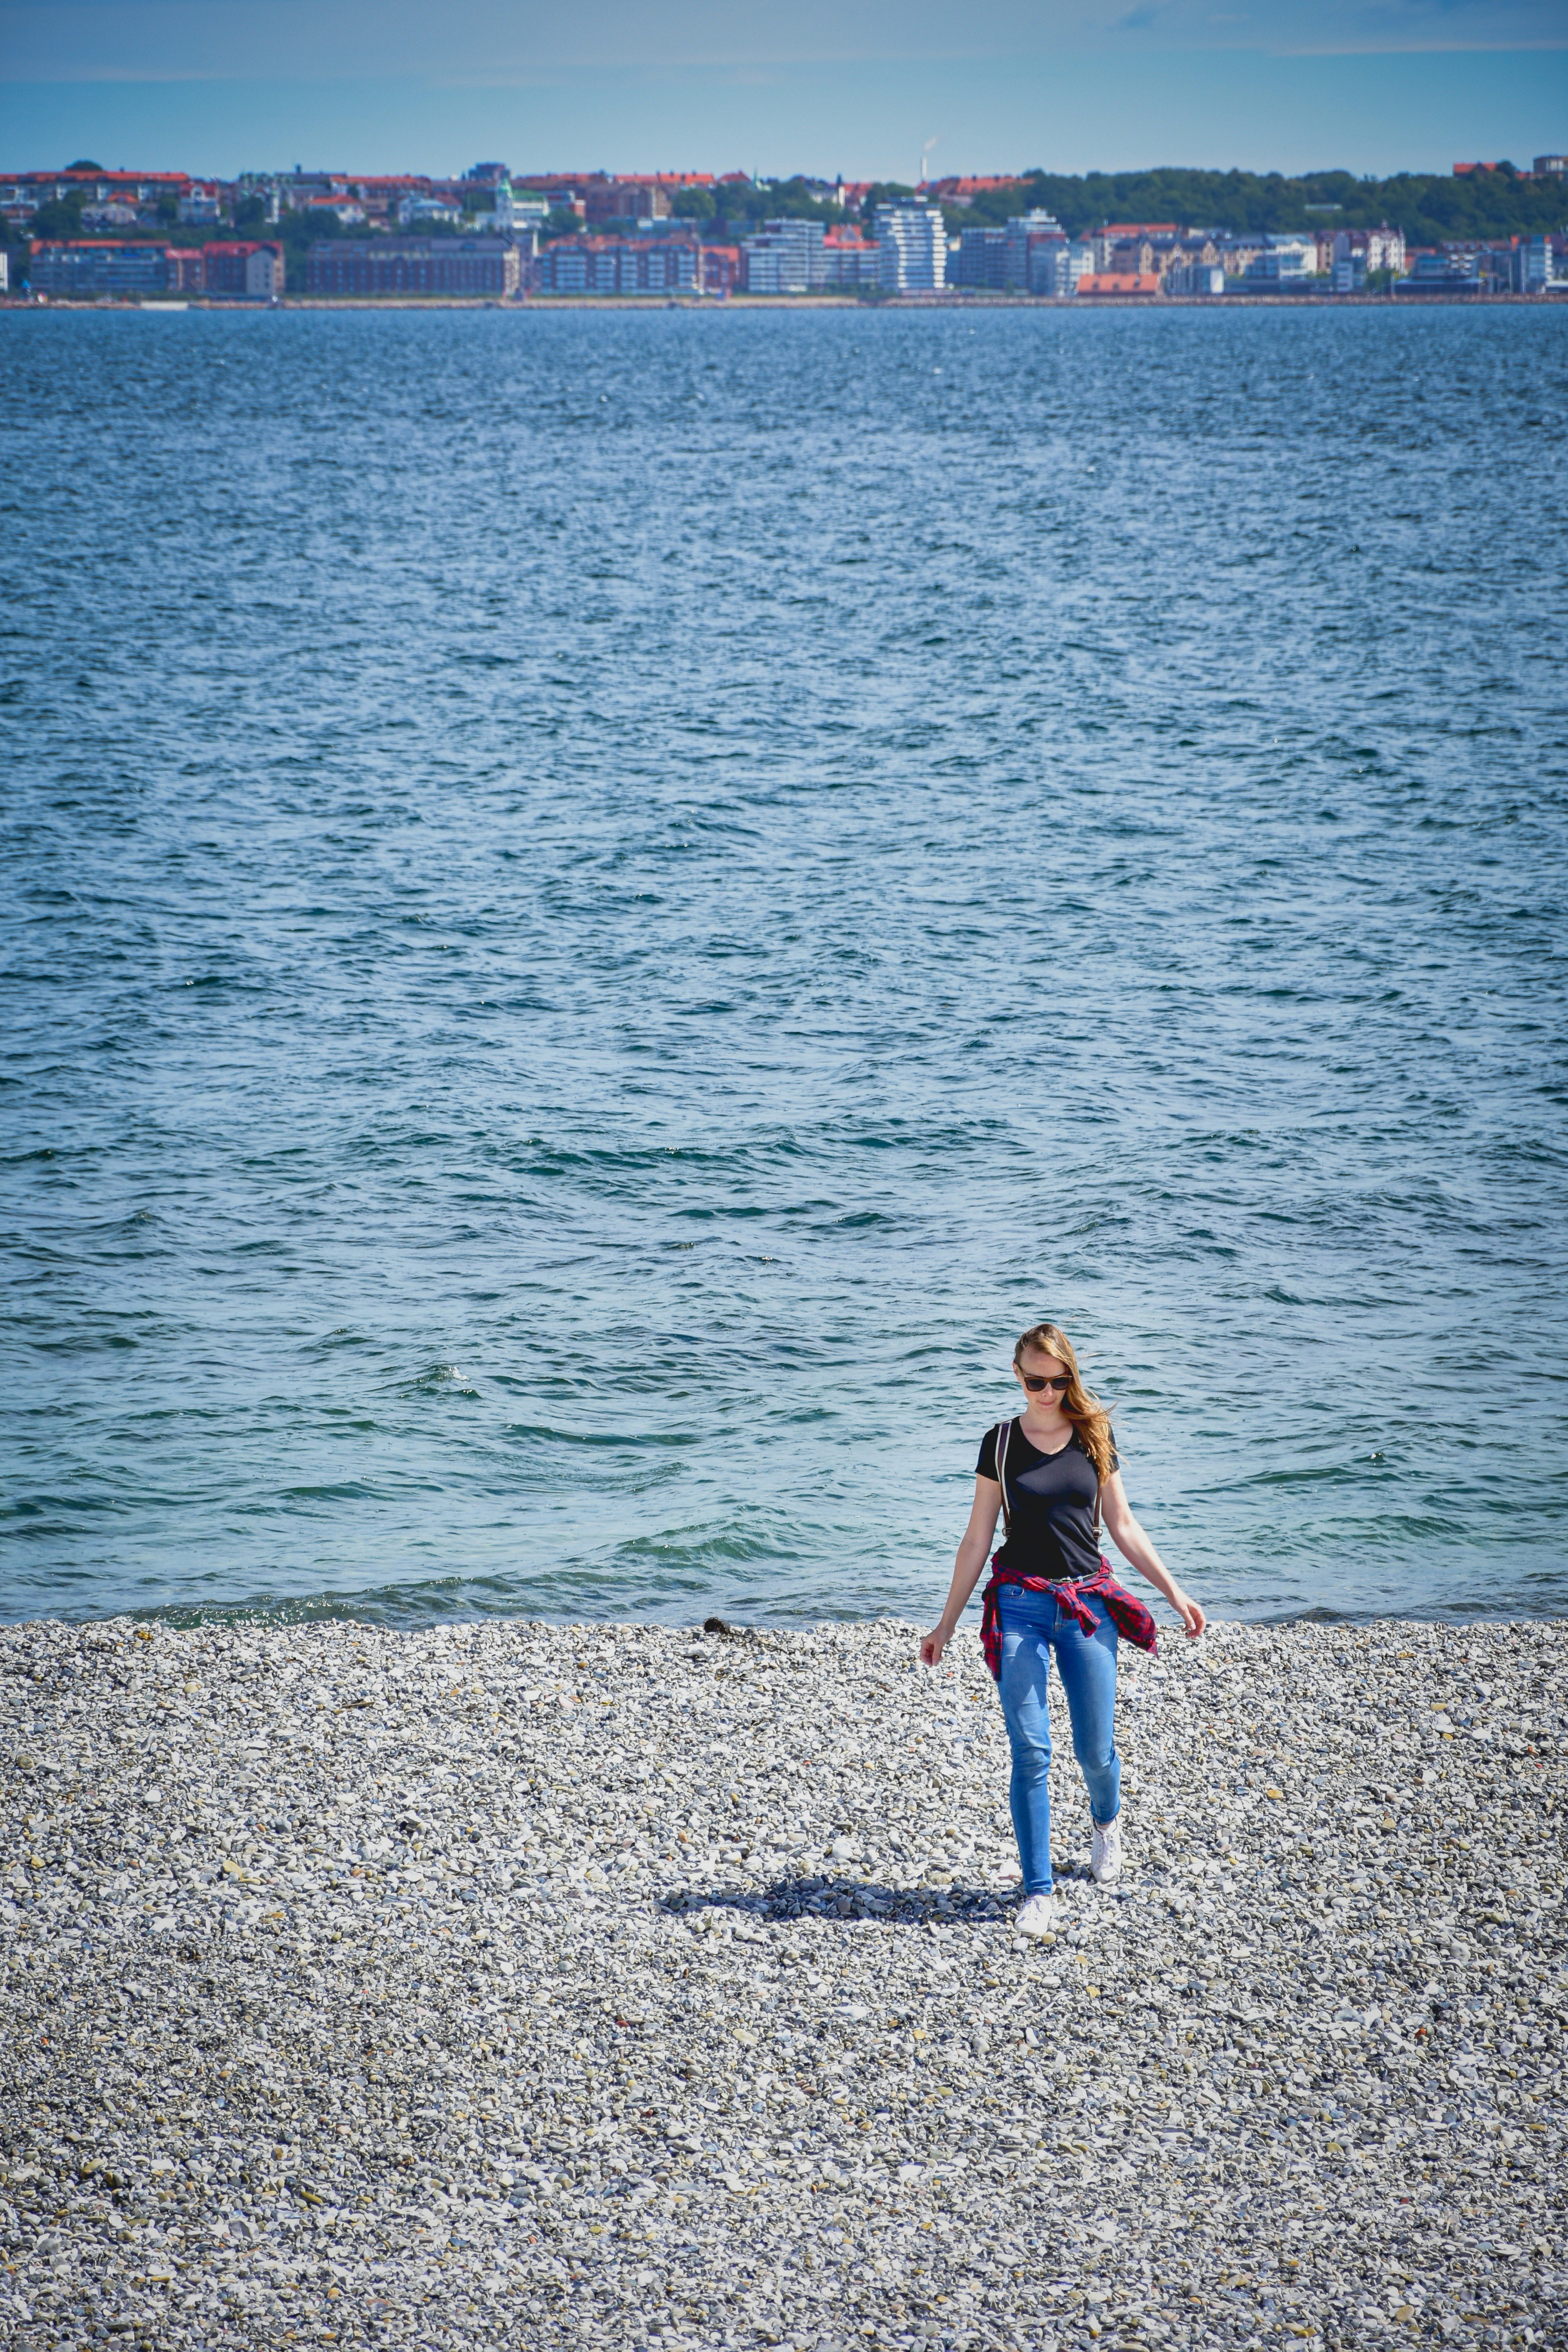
x: 600, y: 908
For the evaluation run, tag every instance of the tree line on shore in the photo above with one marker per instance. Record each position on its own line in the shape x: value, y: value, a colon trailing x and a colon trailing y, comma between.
x: 1432, y: 208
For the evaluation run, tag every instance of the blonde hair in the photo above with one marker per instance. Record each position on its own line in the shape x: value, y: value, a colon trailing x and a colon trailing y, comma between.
x: 1090, y: 1418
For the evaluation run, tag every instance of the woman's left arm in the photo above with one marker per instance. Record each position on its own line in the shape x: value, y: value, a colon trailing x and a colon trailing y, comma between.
x: 1135, y: 1546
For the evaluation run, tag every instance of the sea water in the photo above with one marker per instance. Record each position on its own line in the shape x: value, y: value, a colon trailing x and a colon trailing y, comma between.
x: 602, y: 907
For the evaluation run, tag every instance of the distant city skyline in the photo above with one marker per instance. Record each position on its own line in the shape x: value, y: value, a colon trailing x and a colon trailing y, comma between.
x: 720, y: 85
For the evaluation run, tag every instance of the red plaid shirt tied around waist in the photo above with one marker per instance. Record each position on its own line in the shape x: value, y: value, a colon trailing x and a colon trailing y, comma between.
x: 1126, y: 1611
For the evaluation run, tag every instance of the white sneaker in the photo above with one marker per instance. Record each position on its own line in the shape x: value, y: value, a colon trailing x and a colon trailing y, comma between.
x: 1041, y: 1914
x: 1105, y: 1852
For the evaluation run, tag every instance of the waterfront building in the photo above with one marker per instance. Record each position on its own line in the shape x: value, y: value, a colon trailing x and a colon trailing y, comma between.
x: 1443, y: 274
x: 1502, y: 266
x: 1362, y: 249
x: 1237, y: 253
x: 1538, y: 271
x: 1032, y: 255
x: 242, y: 272
x: 619, y: 264
x: 850, y: 262
x: 1543, y: 257
x: 1124, y: 248
x: 1284, y: 264
x: 784, y: 257
x: 77, y: 271
x: 1119, y: 285
x: 719, y: 268
x: 1193, y: 278
x: 913, y: 244
x: 665, y: 265
x: 1037, y: 243
x: 1162, y: 248
x: 1050, y: 269
x: 569, y: 266
x: 1521, y: 265
x: 979, y: 258
x: 394, y: 265
x: 1195, y: 248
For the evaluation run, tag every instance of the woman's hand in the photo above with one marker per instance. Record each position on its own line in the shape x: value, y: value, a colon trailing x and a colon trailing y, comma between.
x: 935, y: 1642
x: 1191, y: 1615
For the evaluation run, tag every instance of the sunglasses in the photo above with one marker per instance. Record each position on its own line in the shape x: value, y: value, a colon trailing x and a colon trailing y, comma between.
x: 1036, y: 1381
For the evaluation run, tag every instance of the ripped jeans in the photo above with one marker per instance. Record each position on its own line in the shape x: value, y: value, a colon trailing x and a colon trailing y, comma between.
x: 1033, y: 1626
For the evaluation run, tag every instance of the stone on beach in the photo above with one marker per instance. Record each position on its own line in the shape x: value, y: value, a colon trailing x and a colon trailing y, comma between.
x: 551, y: 1985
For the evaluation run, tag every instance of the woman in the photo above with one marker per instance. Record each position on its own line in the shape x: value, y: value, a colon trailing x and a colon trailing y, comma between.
x: 1050, y: 1590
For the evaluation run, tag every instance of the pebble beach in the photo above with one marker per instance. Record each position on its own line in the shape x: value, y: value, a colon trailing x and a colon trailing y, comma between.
x: 543, y: 1985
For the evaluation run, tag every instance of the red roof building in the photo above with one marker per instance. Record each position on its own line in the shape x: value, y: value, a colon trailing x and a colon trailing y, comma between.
x: 719, y: 268
x: 21, y: 193
x: 242, y: 270
x: 964, y: 191
x: 1120, y: 285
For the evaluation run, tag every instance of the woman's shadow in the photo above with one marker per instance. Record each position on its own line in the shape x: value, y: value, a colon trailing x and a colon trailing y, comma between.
x: 848, y: 1898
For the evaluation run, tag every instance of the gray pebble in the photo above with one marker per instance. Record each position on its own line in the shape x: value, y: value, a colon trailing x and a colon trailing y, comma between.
x: 559, y: 1985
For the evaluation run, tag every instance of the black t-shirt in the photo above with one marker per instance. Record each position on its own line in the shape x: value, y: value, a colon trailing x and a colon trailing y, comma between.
x: 1050, y: 1499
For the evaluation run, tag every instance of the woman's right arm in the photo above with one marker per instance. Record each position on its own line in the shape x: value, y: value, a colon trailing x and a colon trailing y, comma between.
x: 972, y: 1553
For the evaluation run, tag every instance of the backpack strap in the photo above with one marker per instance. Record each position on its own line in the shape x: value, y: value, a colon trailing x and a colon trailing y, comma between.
x: 1003, y: 1431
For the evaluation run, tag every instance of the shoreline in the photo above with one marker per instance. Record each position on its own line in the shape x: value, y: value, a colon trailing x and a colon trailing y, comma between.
x: 950, y: 300
x: 513, y: 1982
x: 280, y: 1615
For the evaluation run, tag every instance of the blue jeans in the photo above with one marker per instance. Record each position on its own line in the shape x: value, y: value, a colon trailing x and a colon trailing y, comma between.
x: 1032, y: 1627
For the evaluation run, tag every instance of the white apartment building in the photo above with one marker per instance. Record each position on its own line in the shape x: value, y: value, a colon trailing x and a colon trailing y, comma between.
x: 784, y: 257
x: 1539, y: 272
x: 514, y: 211
x: 413, y: 210
x: 1354, y: 252
x: 1057, y: 263
x: 1284, y: 261
x: 913, y: 244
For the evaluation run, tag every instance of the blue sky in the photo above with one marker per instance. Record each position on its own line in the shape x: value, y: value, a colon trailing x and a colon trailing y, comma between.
x: 816, y: 85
